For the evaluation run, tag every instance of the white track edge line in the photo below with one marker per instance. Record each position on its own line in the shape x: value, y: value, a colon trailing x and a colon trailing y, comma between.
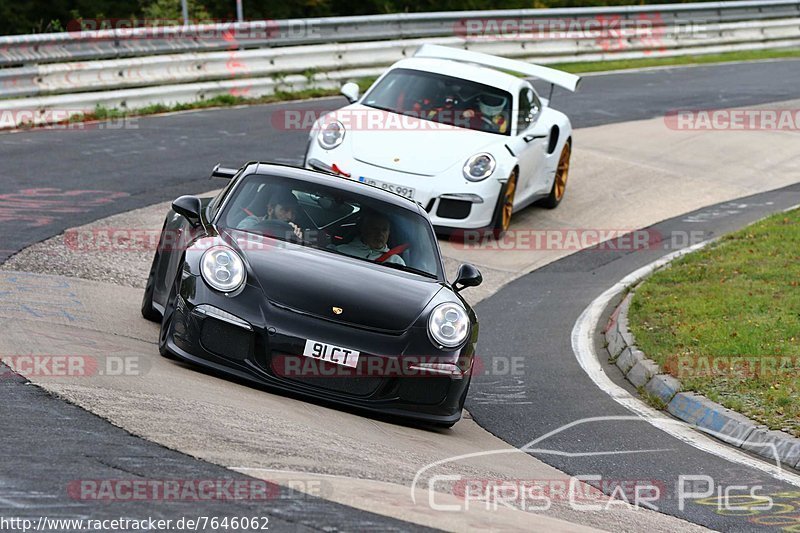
x: 583, y: 347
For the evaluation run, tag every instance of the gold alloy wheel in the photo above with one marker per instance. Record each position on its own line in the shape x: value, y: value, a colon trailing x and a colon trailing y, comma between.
x: 562, y: 173
x: 508, y: 200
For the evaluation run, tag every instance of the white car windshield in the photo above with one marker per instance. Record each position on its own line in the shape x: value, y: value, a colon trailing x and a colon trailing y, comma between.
x: 445, y: 99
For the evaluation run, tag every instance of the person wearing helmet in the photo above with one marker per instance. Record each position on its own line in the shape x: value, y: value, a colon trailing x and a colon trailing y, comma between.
x: 491, y: 114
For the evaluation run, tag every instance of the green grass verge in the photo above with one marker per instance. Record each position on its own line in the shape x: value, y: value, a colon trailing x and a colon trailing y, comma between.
x: 726, y: 321
x: 223, y: 100
x: 747, y: 55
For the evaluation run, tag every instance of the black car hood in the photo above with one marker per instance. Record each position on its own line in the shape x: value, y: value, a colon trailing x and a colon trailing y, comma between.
x: 311, y: 281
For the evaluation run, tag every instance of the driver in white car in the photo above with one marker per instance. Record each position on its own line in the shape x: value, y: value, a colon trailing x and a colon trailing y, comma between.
x: 372, y: 243
x: 491, y: 114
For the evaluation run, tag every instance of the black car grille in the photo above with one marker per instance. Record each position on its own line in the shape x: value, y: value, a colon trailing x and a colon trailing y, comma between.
x: 329, y: 377
x: 225, y: 339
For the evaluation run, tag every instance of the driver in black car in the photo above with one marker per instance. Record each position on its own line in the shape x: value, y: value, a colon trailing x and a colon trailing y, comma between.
x: 372, y: 242
x: 282, y: 206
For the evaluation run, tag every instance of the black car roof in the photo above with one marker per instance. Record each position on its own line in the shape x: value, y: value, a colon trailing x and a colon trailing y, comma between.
x: 322, y: 178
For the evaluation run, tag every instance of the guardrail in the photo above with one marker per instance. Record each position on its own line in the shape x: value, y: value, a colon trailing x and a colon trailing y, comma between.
x: 149, y: 75
x: 81, y: 45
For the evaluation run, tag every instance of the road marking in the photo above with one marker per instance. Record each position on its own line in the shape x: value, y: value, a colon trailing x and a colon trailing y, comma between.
x: 583, y: 347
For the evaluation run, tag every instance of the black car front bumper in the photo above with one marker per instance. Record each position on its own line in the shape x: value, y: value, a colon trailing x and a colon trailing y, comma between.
x: 261, y: 342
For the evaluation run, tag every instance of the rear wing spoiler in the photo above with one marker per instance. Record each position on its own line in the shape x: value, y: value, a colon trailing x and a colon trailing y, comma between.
x: 563, y: 79
x: 223, y: 172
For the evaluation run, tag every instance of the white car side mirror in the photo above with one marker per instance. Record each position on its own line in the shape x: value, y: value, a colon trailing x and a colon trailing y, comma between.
x: 350, y: 91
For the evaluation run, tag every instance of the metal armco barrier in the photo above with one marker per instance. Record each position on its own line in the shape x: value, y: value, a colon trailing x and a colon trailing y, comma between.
x: 131, y: 68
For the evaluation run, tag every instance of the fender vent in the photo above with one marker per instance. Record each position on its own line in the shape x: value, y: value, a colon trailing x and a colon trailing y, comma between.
x: 455, y: 209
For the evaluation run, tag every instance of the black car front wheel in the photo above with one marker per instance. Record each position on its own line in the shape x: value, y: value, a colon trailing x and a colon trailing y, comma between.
x: 148, y: 311
x: 166, y: 321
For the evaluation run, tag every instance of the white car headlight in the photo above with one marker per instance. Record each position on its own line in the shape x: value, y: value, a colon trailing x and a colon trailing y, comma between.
x: 331, y: 135
x: 479, y: 167
x: 448, y: 324
x: 222, y: 268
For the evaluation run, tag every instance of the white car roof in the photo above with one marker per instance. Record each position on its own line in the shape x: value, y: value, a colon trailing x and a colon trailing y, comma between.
x: 467, y: 71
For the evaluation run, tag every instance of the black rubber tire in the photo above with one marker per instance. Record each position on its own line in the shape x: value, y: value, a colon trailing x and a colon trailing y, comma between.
x: 166, y: 321
x: 148, y: 311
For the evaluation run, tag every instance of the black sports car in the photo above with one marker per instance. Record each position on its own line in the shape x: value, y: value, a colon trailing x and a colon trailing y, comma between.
x: 319, y: 285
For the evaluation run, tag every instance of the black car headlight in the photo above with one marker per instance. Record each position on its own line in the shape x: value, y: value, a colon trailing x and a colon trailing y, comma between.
x: 448, y: 325
x: 479, y: 167
x: 222, y: 268
x: 331, y: 135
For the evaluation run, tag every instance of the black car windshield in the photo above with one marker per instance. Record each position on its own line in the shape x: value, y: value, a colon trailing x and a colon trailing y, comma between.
x: 444, y: 99
x: 333, y: 220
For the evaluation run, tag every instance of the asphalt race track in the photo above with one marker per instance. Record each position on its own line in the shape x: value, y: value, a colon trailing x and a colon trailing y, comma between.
x: 533, y: 315
x: 53, y: 180
x: 113, y: 170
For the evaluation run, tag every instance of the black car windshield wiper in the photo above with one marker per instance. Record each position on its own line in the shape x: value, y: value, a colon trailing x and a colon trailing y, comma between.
x: 407, y: 268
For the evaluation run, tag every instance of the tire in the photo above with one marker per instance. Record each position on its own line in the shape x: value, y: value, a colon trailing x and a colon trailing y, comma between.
x: 166, y: 321
x: 148, y: 312
x: 560, y: 180
x: 505, y: 206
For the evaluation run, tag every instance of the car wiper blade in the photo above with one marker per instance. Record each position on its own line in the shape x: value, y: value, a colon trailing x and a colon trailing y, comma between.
x: 407, y: 268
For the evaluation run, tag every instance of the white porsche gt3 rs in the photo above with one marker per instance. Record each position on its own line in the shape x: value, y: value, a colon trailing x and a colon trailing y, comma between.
x: 456, y: 132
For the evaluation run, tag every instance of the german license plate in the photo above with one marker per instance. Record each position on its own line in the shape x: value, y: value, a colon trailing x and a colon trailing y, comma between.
x: 402, y: 190
x: 331, y: 354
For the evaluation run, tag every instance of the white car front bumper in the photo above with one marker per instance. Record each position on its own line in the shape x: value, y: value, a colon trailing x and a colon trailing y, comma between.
x: 452, y: 202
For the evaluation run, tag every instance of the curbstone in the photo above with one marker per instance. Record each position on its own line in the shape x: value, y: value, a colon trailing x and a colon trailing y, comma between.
x: 615, y: 343
x: 710, y: 417
x: 642, y: 372
x: 722, y: 423
x: 622, y: 321
x: 688, y: 406
x: 774, y: 445
x: 628, y: 358
x: 663, y: 386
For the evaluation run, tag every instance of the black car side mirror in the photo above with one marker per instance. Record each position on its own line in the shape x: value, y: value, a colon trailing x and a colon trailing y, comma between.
x: 189, y: 207
x: 468, y: 276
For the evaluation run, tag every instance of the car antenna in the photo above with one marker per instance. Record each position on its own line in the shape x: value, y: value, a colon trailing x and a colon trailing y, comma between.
x: 550, y: 96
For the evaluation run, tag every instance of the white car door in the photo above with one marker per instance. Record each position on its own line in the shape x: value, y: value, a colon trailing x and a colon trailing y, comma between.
x: 529, y: 145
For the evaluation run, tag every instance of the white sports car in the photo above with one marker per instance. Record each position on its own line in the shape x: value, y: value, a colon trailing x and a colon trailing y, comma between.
x: 455, y: 131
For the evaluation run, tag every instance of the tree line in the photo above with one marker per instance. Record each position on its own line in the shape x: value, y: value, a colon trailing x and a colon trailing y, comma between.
x: 37, y: 16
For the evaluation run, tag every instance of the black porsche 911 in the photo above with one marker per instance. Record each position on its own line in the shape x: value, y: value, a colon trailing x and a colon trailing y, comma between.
x: 318, y: 285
